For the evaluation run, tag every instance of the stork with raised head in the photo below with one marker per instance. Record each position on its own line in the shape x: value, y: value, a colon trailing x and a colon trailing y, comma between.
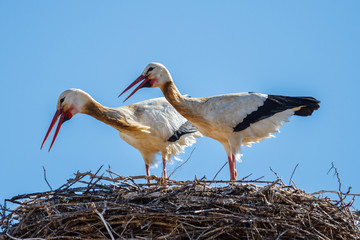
x: 232, y: 119
x: 150, y: 126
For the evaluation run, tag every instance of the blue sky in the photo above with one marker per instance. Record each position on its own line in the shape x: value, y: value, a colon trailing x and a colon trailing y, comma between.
x: 294, y: 48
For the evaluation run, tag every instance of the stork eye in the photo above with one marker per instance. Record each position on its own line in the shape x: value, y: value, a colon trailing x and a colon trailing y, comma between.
x: 150, y: 69
x: 62, y: 100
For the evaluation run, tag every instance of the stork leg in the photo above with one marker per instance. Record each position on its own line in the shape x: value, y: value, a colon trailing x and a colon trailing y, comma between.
x: 148, y: 173
x: 234, y: 166
x: 231, y: 166
x: 164, y: 170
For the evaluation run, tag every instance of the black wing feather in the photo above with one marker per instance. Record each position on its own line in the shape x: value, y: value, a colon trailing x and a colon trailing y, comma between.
x: 186, y: 128
x: 275, y: 104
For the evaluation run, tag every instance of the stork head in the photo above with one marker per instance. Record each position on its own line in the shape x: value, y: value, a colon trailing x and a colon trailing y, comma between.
x: 154, y: 75
x: 69, y: 103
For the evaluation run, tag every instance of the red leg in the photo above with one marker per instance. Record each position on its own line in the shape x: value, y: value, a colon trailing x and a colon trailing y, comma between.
x: 231, y: 166
x: 164, y: 170
x: 234, y: 167
x: 147, y: 173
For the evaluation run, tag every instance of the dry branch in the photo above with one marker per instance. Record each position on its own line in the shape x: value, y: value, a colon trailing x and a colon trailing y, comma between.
x: 116, y: 207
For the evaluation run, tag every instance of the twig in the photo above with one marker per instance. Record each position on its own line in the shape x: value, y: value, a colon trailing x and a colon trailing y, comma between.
x: 182, y: 163
x: 168, y: 235
x: 246, y: 177
x: 219, y: 171
x: 277, y: 175
x: 293, y: 175
x: 282, y: 233
x: 99, y: 169
x: 258, y: 179
x: 127, y: 225
x: 109, y: 171
x: 22, y: 238
x: 92, y: 185
x: 207, y: 229
x: 46, y: 179
x: 187, y: 234
x: 336, y: 173
x: 71, y: 182
x: 104, y: 221
x: 50, y: 216
x: 294, y: 184
x: 334, y: 192
x: 94, y: 176
x: 3, y: 214
x: 340, y: 193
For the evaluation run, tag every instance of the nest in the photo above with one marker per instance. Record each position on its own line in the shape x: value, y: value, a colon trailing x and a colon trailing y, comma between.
x: 115, y: 207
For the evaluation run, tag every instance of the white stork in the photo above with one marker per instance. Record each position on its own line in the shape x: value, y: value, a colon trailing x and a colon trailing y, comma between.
x: 232, y: 119
x: 150, y: 126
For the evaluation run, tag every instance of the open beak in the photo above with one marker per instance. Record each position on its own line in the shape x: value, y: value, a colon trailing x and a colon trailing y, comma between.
x: 64, y: 116
x: 142, y: 77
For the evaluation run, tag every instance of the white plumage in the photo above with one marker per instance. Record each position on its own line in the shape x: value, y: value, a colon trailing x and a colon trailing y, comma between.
x: 150, y: 126
x: 162, y: 121
x: 224, y: 112
x: 232, y: 119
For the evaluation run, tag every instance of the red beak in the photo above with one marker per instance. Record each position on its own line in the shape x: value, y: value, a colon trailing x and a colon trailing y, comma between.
x: 64, y: 116
x: 142, y: 77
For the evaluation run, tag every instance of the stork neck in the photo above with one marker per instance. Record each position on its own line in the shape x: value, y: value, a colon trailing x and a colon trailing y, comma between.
x: 184, y: 105
x: 172, y: 94
x: 101, y: 113
x: 109, y: 116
